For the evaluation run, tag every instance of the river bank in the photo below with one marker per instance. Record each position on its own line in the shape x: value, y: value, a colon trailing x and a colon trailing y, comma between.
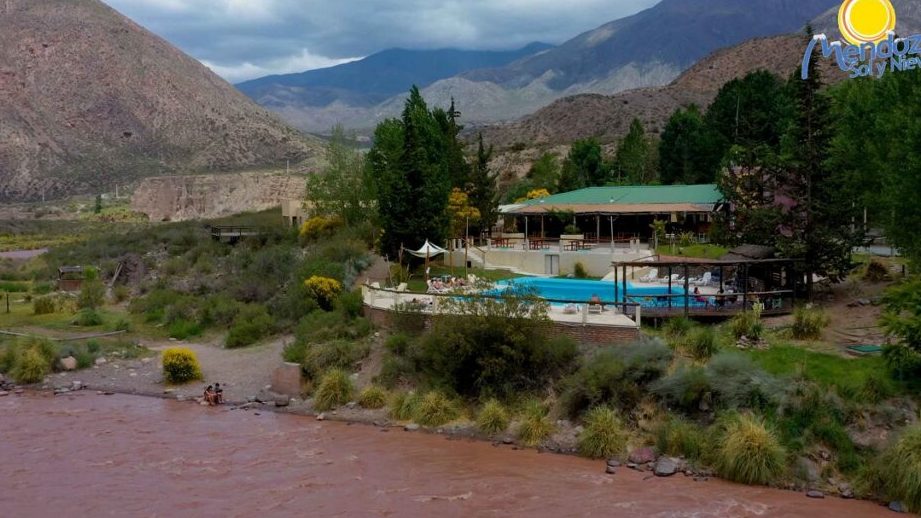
x: 127, y: 455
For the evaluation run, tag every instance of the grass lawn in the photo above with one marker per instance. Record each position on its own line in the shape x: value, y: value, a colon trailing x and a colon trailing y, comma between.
x: 706, y: 251
x: 417, y: 282
x: 847, y: 375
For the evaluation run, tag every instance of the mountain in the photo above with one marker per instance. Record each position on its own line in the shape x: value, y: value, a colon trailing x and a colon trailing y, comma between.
x: 648, y: 49
x: 608, y: 117
x: 673, y: 33
x: 89, y: 99
x: 374, y: 79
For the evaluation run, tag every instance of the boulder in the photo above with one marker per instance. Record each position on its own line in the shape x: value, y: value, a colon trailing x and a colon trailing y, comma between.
x: 100, y: 361
x: 897, y: 507
x: 321, y: 417
x: 76, y: 385
x: 282, y: 401
x: 666, y: 467
x: 286, y: 379
x: 611, y: 470
x: 411, y: 427
x: 807, y: 470
x: 845, y: 491
x: 69, y: 363
x: 815, y: 494
x: 4, y: 393
x: 614, y: 463
x: 642, y: 456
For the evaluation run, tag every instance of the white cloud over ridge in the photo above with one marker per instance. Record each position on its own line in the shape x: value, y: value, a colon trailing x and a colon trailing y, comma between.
x: 243, y: 39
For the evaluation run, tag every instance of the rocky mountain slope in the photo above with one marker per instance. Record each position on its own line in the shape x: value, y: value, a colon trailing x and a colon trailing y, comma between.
x: 608, y: 117
x: 89, y: 99
x: 648, y: 49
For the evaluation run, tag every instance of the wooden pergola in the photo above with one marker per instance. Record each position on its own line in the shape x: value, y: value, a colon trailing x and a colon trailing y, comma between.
x: 772, y: 284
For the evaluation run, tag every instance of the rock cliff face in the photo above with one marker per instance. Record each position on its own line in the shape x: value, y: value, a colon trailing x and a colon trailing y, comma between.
x: 178, y: 198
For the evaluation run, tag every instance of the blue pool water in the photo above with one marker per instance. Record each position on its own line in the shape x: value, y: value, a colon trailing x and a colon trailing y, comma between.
x: 581, y: 291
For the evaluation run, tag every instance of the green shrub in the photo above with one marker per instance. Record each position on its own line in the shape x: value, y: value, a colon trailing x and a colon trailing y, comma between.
x: 900, y: 469
x: 182, y: 329
x: 493, y: 347
x: 180, y: 365
x: 85, y: 359
x: 493, y: 418
x: 120, y: 293
x: 252, y: 324
x: 341, y: 354
x: 92, y: 294
x: 13, y: 287
x: 730, y: 380
x: 30, y: 367
x: 350, y: 304
x: 435, y: 409
x: 28, y: 360
x: 748, y: 452
x: 808, y: 323
x: 680, y: 438
x: 403, y: 405
x: 747, y: 324
x: 535, y: 425
x: 42, y: 288
x: 578, y: 271
x: 122, y: 324
x: 373, y: 396
x: 603, y: 435
x: 219, y: 310
x: 615, y: 376
x: 335, y: 389
x: 875, y: 389
x: 88, y: 317
x: 701, y: 343
x: 44, y: 305
x: 677, y: 327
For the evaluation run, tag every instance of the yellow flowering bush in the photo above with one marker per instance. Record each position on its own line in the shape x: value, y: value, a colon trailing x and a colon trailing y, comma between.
x: 538, y: 193
x: 319, y: 226
x: 324, y: 289
x: 180, y: 365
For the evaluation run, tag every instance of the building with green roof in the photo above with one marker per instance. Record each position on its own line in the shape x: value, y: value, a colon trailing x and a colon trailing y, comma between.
x: 618, y: 212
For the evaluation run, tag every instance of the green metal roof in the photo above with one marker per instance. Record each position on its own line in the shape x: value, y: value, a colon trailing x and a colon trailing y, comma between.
x: 635, y: 195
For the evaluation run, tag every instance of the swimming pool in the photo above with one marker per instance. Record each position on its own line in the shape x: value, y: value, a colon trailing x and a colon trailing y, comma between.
x: 581, y: 291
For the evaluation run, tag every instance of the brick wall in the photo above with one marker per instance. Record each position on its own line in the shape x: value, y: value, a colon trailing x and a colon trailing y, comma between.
x: 587, y: 336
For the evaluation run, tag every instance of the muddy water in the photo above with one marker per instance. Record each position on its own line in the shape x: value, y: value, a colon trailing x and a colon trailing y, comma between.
x: 90, y: 455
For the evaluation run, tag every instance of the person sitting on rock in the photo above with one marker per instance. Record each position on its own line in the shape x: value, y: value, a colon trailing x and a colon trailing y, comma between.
x: 218, y: 394
x: 209, y: 395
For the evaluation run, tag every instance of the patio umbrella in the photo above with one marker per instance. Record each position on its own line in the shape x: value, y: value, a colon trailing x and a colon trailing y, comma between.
x: 427, y: 251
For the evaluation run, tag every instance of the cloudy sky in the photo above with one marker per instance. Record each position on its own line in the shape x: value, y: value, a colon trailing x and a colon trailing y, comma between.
x: 243, y: 39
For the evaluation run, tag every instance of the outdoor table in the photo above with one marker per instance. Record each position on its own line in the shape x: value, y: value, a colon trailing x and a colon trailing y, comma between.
x: 538, y: 244
x: 501, y: 242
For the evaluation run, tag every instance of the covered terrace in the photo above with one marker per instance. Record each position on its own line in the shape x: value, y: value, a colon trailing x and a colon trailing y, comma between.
x: 708, y: 288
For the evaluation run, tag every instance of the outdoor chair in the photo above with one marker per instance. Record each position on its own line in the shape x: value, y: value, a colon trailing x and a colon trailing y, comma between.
x: 651, y: 276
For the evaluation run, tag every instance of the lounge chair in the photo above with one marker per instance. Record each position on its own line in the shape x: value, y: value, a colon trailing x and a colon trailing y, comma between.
x: 705, y: 280
x: 595, y: 309
x: 651, y: 276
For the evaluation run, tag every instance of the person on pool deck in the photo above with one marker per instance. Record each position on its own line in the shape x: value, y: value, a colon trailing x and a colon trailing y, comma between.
x: 595, y: 300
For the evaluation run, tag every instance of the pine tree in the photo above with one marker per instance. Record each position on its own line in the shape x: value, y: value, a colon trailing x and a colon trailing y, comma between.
x: 818, y: 225
x: 632, y: 160
x: 482, y: 187
x: 583, y: 167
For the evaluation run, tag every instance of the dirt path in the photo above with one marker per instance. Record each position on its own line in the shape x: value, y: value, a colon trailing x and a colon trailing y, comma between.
x: 243, y: 373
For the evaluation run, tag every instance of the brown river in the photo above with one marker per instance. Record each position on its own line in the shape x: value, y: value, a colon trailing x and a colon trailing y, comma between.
x: 126, y: 456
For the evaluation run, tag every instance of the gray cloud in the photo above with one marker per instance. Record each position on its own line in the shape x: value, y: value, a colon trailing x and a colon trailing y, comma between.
x: 242, y: 39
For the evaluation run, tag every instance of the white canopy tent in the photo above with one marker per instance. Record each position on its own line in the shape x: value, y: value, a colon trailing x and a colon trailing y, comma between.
x: 428, y: 250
